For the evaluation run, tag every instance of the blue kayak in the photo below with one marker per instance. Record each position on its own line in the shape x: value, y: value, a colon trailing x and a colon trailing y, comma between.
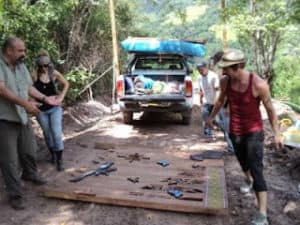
x: 172, y: 46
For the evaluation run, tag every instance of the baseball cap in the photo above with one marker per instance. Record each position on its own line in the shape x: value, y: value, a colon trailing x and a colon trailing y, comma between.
x: 231, y: 57
x: 201, y: 64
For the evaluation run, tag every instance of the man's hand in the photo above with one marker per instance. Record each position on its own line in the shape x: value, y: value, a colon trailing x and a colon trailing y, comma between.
x: 32, y: 108
x: 209, y: 123
x: 278, y: 142
x: 52, y: 100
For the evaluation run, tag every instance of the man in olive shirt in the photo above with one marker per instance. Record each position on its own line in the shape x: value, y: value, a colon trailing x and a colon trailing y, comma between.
x: 17, y: 140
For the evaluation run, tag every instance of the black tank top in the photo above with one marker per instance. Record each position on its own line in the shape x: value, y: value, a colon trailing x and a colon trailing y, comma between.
x: 47, y: 89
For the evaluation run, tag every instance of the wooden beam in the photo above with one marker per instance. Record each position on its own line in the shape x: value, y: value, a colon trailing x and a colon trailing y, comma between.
x: 223, y: 6
x: 116, y: 70
x: 152, y: 201
x: 114, y: 38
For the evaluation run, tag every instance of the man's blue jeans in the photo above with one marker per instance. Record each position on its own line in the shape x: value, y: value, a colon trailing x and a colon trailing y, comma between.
x: 51, y: 124
x: 206, y: 110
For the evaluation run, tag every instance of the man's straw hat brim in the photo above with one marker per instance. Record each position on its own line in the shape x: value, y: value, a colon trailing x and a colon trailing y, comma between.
x: 232, y: 57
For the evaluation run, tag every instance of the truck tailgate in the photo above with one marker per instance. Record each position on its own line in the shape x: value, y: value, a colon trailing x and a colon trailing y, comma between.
x: 153, y: 98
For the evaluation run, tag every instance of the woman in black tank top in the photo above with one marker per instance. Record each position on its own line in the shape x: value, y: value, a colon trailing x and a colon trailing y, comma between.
x: 50, y: 118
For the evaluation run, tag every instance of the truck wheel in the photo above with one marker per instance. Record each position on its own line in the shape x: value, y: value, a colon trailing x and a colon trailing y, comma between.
x: 127, y: 117
x: 186, y: 119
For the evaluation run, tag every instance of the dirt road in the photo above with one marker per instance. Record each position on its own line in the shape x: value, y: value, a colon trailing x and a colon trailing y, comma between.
x: 159, y: 130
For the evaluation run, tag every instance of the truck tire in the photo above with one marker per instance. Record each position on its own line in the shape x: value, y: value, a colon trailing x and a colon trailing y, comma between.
x: 127, y: 117
x: 186, y: 119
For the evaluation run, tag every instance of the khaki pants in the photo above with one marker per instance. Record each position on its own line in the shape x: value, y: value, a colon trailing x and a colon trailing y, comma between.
x: 17, y: 150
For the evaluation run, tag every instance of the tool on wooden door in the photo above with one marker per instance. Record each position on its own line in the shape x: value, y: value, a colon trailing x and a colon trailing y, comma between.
x: 104, y: 169
x: 175, y: 193
x: 207, y: 155
x: 163, y: 163
x: 133, y: 179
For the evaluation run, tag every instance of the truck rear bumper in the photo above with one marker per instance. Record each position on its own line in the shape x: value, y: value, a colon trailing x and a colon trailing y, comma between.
x: 155, y: 107
x: 153, y: 98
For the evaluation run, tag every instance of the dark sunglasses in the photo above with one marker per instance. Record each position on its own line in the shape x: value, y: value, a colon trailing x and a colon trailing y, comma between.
x: 45, y: 65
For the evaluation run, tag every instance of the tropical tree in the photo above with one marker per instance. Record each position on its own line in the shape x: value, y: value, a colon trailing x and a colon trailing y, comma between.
x: 261, y: 25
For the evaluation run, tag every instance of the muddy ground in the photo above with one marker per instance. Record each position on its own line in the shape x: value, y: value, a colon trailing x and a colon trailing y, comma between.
x: 83, y: 122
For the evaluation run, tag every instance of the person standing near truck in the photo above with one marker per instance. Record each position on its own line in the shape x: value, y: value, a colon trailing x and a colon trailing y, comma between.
x: 245, y: 91
x: 208, y: 82
x: 222, y: 118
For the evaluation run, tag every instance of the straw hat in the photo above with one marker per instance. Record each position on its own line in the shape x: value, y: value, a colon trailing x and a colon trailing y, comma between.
x: 232, y: 57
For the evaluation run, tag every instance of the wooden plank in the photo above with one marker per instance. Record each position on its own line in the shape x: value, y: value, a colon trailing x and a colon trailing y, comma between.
x: 215, y: 191
x: 148, y: 201
x: 208, y: 180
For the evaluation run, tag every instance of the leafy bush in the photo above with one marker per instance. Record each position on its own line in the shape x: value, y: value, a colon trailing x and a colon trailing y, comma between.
x: 286, y: 82
x: 295, y: 93
x: 30, y: 23
x: 78, y: 79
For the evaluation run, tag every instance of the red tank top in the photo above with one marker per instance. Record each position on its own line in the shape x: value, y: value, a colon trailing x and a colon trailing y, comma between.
x: 245, y: 116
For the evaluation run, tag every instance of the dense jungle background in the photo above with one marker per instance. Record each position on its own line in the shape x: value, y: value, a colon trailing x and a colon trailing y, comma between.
x: 77, y: 33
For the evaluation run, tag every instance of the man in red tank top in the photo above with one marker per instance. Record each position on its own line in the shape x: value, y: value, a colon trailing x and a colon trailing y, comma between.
x: 244, y: 92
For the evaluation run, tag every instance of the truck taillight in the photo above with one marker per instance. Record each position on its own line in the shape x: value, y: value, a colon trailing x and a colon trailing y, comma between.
x: 188, y: 88
x: 120, y: 88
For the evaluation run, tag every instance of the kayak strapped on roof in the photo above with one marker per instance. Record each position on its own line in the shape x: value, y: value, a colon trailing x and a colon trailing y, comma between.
x: 170, y: 46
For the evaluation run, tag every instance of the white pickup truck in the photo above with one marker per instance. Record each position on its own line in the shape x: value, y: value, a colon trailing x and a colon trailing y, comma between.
x: 156, y: 83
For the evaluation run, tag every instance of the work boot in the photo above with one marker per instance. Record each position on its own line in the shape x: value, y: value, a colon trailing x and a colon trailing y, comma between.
x: 37, y: 180
x: 16, y: 203
x: 60, y: 165
x: 52, y: 156
x: 59, y: 161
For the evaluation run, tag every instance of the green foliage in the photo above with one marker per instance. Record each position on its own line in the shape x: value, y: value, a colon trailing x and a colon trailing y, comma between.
x: 294, y: 8
x: 78, y: 79
x: 295, y: 107
x: 78, y: 33
x: 259, y: 30
x: 286, y: 70
x: 30, y: 23
x: 295, y: 93
x: 182, y: 19
x: 287, y: 66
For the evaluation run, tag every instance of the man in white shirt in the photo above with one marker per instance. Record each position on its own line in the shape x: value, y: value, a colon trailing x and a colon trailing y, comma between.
x: 208, y: 86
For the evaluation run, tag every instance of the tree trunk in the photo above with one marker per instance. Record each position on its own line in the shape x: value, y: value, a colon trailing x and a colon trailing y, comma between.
x: 77, y: 36
x: 223, y: 5
x: 254, y: 36
x: 264, y: 48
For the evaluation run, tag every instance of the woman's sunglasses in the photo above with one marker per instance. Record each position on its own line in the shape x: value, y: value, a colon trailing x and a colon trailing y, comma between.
x: 45, y: 65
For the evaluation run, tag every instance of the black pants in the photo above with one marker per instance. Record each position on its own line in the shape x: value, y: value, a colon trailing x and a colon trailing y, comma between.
x: 249, y: 152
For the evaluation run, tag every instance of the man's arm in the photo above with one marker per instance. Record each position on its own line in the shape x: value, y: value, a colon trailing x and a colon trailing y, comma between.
x: 30, y: 107
x: 34, y: 93
x: 264, y: 95
x: 216, y: 82
x: 219, y: 102
x: 201, y: 94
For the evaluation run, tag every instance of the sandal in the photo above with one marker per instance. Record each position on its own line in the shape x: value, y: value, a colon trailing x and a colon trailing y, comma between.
x: 246, y: 187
